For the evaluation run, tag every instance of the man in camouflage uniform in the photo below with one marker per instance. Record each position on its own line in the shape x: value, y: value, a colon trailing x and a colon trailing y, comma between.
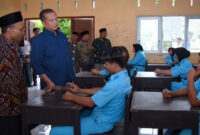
x: 86, y: 52
x: 100, y: 44
x: 74, y: 51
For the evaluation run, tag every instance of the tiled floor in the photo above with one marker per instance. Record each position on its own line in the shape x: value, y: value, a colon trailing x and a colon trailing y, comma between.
x: 45, y: 129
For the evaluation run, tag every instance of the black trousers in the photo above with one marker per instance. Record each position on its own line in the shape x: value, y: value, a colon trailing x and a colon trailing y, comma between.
x: 34, y: 77
x: 10, y: 125
x: 27, y: 74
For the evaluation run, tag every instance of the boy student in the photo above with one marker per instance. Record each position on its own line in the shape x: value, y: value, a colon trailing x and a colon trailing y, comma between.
x: 108, y: 102
x: 86, y: 52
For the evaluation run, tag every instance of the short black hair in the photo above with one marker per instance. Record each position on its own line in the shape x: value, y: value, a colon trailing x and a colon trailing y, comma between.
x: 118, y: 54
x: 45, y: 11
x: 84, y: 33
x: 137, y: 47
x: 75, y: 33
x: 171, y: 48
x: 102, y: 30
x: 181, y: 53
x: 4, y: 28
x: 199, y: 53
x: 35, y: 29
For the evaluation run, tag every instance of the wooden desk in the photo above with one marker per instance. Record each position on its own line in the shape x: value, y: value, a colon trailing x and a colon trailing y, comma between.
x: 88, y: 80
x: 152, y: 67
x: 51, y: 109
x: 149, y: 81
x: 149, y: 109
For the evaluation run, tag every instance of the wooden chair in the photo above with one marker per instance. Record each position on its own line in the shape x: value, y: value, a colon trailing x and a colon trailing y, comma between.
x: 146, y: 66
x: 127, y: 115
x: 133, y: 79
x: 123, y: 127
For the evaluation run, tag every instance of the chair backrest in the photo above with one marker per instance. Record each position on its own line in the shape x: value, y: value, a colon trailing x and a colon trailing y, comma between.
x: 146, y: 66
x: 133, y: 79
x: 127, y: 114
x: 129, y: 67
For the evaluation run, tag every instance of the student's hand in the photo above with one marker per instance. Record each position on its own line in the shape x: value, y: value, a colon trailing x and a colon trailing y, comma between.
x: 73, y: 87
x: 167, y: 94
x: 50, y: 86
x: 95, y: 72
x: 158, y: 71
x: 67, y: 96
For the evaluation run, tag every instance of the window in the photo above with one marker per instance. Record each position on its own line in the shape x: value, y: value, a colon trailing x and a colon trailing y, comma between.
x: 148, y: 34
x: 193, y: 35
x: 173, y: 32
x: 157, y: 34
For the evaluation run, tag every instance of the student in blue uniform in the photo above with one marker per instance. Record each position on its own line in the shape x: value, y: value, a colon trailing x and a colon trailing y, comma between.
x: 105, y: 72
x: 171, y: 59
x: 193, y: 92
x: 180, y: 70
x: 108, y: 102
x: 138, y: 62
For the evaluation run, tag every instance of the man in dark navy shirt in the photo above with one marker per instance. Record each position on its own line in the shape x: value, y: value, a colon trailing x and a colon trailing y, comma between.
x: 50, y: 56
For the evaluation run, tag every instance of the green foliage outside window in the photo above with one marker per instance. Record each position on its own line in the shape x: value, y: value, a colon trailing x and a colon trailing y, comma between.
x: 39, y: 25
x: 65, y: 26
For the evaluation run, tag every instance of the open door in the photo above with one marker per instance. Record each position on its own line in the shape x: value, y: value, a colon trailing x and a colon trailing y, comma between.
x: 82, y: 24
x: 72, y: 24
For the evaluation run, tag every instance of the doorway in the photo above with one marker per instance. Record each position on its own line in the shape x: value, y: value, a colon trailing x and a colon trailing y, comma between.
x: 66, y: 24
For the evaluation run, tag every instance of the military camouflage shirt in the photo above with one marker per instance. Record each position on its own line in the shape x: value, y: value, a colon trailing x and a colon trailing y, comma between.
x: 99, y: 47
x: 85, y: 53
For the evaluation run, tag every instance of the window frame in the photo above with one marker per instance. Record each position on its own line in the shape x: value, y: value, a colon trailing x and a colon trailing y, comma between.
x: 160, y: 32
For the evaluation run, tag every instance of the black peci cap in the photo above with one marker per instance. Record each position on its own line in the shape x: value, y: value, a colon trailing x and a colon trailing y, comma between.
x: 10, y: 19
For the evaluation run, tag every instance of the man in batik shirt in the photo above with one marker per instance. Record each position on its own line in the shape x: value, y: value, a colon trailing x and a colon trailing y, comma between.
x: 13, y: 90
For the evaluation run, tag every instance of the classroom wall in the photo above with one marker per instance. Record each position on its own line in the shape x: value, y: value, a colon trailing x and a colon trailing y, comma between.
x: 118, y: 16
x: 8, y: 6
